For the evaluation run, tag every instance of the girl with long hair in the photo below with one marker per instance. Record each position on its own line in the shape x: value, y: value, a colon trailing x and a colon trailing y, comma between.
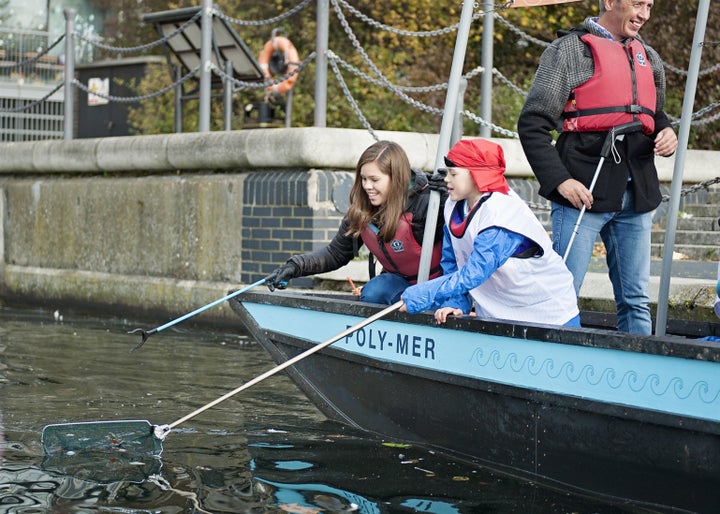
x: 388, y: 207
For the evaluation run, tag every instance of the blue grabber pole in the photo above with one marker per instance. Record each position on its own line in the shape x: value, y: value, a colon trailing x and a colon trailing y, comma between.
x: 446, y: 129
x: 676, y: 186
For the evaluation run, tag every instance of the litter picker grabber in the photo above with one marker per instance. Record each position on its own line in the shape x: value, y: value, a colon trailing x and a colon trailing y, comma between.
x: 147, y: 333
x: 613, y: 135
x: 140, y: 436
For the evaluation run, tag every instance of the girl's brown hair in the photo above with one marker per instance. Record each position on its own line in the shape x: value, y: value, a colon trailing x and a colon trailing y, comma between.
x: 391, y: 160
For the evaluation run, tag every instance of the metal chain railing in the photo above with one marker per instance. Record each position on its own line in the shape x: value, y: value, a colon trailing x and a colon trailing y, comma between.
x: 385, y: 82
x: 520, y: 33
x: 34, y: 103
x: 401, y: 32
x: 676, y: 121
x: 140, y: 48
x: 268, y: 21
x: 495, y: 128
x: 349, y: 96
x: 140, y: 98
x: 34, y: 59
x: 266, y: 83
x: 335, y: 61
x: 409, y: 89
x: 691, y: 189
x: 546, y: 206
x: 527, y: 37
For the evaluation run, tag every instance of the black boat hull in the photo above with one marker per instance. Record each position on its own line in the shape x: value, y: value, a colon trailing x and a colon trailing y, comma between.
x: 656, y: 459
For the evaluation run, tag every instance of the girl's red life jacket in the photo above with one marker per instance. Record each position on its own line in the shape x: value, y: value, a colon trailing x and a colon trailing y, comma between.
x: 401, y: 255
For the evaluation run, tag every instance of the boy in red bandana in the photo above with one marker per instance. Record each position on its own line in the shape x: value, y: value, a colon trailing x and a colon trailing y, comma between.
x: 496, y: 254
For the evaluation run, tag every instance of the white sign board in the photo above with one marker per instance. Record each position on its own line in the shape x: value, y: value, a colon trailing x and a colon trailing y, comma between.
x: 98, y: 85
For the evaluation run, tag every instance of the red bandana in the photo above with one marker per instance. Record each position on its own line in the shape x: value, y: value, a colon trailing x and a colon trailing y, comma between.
x: 485, y: 160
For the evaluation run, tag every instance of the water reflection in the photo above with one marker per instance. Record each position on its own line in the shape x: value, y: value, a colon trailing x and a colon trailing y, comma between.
x: 264, y: 450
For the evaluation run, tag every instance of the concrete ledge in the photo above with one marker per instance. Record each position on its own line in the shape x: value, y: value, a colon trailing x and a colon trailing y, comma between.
x: 133, y: 153
x: 689, y: 298
x: 105, y: 293
x: 304, y: 147
x: 162, y: 299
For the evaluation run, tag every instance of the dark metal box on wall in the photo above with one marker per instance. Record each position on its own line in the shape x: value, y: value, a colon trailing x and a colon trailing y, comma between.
x: 97, y: 114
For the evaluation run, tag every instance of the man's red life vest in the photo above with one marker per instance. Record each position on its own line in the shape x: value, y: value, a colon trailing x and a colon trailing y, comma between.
x: 401, y: 255
x: 621, y: 90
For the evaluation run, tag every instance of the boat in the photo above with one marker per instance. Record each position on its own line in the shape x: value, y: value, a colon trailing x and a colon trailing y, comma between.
x: 621, y: 417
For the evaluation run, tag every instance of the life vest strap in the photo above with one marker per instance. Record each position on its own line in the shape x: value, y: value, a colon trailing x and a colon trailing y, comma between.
x: 630, y: 109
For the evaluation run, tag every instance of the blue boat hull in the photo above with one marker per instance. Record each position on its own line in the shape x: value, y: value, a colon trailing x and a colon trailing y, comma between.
x: 618, y: 416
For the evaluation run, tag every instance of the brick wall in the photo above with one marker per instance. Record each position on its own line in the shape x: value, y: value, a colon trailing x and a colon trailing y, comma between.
x: 287, y: 213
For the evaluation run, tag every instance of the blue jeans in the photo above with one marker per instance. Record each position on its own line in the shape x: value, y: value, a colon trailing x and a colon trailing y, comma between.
x: 626, y: 235
x: 384, y: 288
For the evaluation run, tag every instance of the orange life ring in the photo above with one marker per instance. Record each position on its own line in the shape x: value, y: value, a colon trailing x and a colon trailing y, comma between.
x: 292, y: 61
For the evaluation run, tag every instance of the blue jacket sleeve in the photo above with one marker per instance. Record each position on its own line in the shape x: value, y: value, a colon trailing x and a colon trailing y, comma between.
x: 491, y: 249
x: 447, y: 260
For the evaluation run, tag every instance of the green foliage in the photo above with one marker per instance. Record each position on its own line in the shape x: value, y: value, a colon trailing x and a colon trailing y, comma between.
x: 418, y: 61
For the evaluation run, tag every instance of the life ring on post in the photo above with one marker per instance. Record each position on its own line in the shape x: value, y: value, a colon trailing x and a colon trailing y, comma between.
x: 279, y: 57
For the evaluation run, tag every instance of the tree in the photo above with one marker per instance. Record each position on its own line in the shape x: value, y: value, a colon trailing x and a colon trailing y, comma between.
x: 409, y: 60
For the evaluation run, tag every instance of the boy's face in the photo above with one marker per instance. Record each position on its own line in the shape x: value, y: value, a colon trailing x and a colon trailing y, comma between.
x: 460, y: 184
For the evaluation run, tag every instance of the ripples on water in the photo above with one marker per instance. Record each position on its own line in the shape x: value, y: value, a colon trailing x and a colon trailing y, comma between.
x: 265, y: 450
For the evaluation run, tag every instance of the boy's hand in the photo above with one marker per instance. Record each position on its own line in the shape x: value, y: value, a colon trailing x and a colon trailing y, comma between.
x: 442, y: 314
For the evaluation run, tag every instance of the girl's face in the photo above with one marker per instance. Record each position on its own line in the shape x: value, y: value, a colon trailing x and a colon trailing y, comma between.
x: 460, y: 184
x: 375, y: 183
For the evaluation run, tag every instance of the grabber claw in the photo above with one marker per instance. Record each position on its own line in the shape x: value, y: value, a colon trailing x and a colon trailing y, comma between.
x: 144, y: 333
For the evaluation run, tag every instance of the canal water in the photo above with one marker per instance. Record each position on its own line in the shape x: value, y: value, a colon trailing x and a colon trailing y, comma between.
x: 265, y: 450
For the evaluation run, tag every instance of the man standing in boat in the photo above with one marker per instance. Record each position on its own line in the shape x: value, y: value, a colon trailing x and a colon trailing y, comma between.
x: 388, y: 205
x: 496, y: 254
x: 591, y: 79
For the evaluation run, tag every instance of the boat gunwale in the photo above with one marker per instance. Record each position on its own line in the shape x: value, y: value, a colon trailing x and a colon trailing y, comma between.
x: 667, y: 345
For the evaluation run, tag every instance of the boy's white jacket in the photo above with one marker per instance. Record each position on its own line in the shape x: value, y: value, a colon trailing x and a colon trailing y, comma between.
x: 535, y: 289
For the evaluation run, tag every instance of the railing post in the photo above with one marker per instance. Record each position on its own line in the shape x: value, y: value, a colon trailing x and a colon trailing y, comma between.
x: 288, y: 108
x: 457, y: 130
x: 205, y: 55
x: 487, y: 64
x: 321, y: 48
x: 68, y: 106
x: 178, y: 101
x: 228, y: 96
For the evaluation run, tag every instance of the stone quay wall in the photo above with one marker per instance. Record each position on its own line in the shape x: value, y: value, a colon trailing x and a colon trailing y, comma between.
x: 156, y: 226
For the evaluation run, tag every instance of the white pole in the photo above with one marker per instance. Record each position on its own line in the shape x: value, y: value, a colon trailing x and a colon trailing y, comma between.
x: 487, y: 63
x: 68, y: 105
x: 676, y: 186
x: 205, y: 56
x: 321, y: 48
x: 446, y: 131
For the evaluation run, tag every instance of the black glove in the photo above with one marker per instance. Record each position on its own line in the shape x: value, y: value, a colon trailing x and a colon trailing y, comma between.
x: 281, y: 276
x: 436, y: 181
